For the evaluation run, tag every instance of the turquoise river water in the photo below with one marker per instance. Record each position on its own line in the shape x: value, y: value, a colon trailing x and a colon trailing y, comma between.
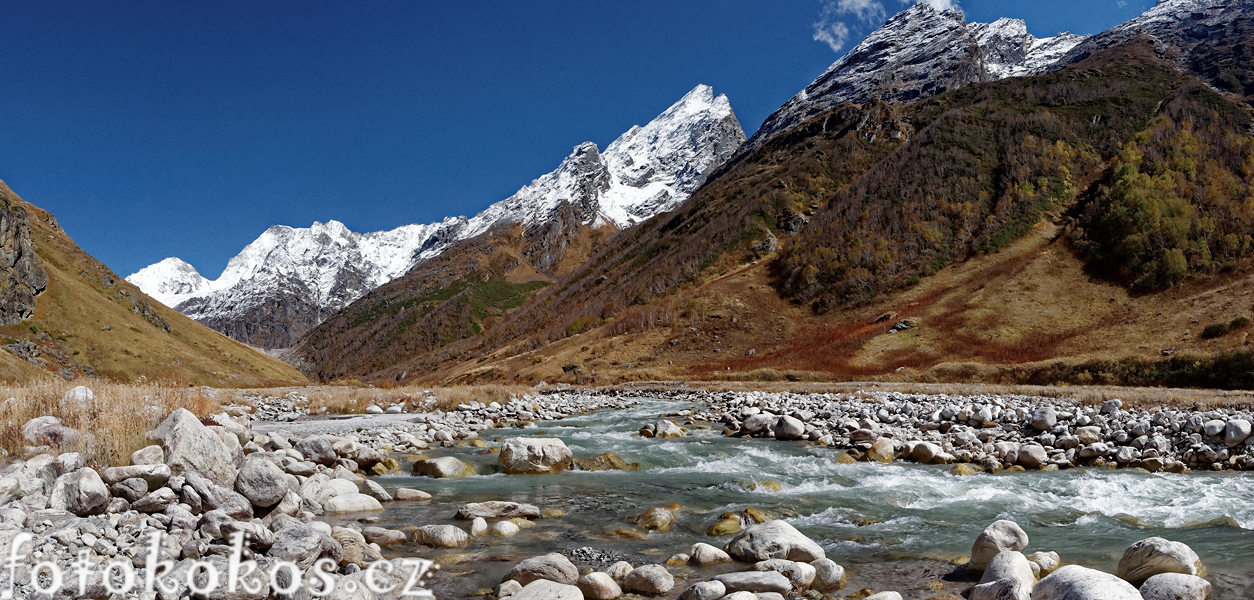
x: 869, y: 517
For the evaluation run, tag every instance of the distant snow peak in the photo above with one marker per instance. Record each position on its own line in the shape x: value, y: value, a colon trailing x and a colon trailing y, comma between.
x: 1010, y: 51
x: 169, y: 281
x: 289, y: 279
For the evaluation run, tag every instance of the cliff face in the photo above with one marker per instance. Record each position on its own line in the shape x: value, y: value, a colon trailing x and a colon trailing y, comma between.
x: 22, y: 275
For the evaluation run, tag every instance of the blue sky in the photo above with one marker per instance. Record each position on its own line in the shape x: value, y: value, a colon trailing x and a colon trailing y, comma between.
x: 156, y: 129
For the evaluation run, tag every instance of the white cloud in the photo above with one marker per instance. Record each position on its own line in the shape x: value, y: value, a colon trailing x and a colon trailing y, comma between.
x: 937, y: 4
x: 1121, y: 3
x: 839, y: 17
x: 834, y: 34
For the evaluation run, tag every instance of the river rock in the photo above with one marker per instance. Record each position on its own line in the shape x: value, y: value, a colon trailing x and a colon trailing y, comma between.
x: 619, y: 570
x: 441, y: 536
x: 827, y: 575
x: 789, y: 428
x: 1236, y: 432
x: 608, y: 461
x: 702, y: 554
x: 756, y: 581
x: 505, y: 529
x: 1074, y: 582
x: 530, y: 456
x: 882, y: 450
x: 351, y: 503
x: 667, y: 429
x: 303, y: 545
x: 155, y: 501
x: 1009, y: 576
x: 478, y: 527
x: 1155, y: 555
x: 1175, y: 586
x: 998, y: 537
x: 49, y: 431
x: 508, y: 587
x: 553, y: 567
x: 543, y: 589
x: 497, y: 509
x: 1032, y: 456
x: 649, y: 580
x: 656, y: 519
x: 1047, y: 562
x: 191, y: 447
x: 262, y: 482
x: 706, y: 590
x: 444, y: 467
x: 884, y: 596
x: 129, y: 489
x: 155, y: 475
x: 410, y: 495
x: 318, y: 450
x: 800, y: 574
x: 85, y: 493
x: 599, y: 586
x: 383, y: 536
x: 1044, y: 418
x: 774, y: 539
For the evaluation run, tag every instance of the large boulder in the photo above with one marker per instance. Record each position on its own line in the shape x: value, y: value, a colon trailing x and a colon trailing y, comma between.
x: 543, y: 589
x: 608, y: 461
x: 649, y: 580
x: 827, y: 575
x: 191, y: 447
x: 552, y: 567
x: 443, y: 468
x: 441, y: 536
x: 1175, y: 586
x: 531, y: 456
x: 303, y: 545
x: 351, y: 503
x: 996, y: 538
x: 49, y: 431
x: 262, y: 482
x: 155, y: 475
x: 599, y: 586
x: 706, y: 590
x: 789, y: 428
x: 497, y: 509
x: 85, y: 493
x: 755, y: 581
x: 667, y: 429
x: 702, y: 554
x: 800, y: 574
x: 1008, y: 577
x: 774, y: 539
x: 318, y: 449
x: 1074, y: 582
x: 1155, y: 555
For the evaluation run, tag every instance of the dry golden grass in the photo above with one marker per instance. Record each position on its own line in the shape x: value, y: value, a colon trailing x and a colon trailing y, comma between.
x: 354, y: 399
x: 118, y: 420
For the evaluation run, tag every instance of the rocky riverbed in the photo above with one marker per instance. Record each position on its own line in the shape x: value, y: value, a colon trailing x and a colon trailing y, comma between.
x: 543, y: 497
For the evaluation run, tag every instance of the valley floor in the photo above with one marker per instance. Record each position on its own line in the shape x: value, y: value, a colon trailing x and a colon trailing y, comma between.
x: 865, y: 487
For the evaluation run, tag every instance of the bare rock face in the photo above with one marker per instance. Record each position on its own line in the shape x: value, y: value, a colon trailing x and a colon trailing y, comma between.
x: 22, y: 275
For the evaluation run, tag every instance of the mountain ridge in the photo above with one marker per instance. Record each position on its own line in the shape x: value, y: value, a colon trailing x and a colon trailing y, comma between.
x: 290, y: 279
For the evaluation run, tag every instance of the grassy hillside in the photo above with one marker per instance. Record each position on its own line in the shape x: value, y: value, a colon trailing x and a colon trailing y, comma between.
x: 997, y: 233
x: 89, y: 321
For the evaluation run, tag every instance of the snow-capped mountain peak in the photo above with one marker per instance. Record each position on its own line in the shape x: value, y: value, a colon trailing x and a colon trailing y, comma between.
x: 289, y: 279
x: 921, y: 52
x: 170, y: 281
x: 1010, y: 51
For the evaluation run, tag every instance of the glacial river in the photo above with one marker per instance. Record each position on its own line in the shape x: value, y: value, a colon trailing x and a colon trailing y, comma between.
x: 869, y: 517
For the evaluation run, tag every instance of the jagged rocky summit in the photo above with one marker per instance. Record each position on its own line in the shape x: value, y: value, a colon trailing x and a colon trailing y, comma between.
x: 290, y: 279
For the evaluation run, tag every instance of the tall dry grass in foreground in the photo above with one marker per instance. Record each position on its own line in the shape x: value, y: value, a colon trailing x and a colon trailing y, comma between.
x: 117, y: 421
